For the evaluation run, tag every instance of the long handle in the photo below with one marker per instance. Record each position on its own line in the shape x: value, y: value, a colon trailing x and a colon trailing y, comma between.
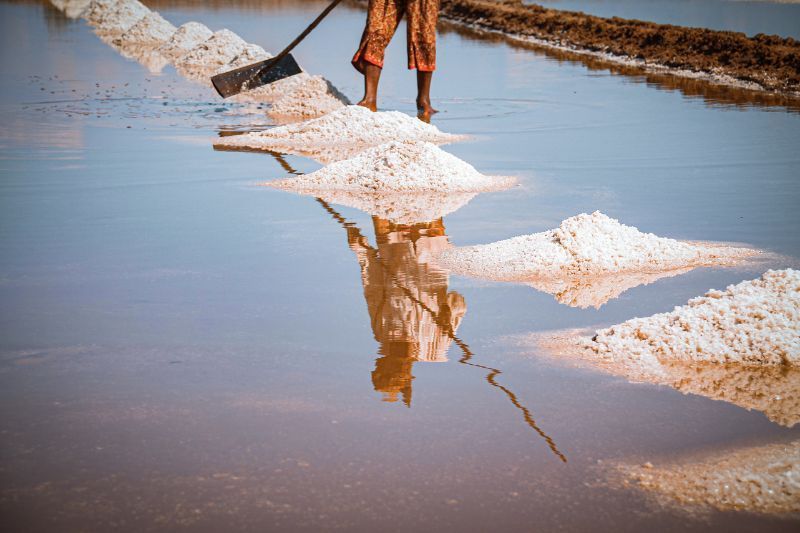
x: 285, y: 52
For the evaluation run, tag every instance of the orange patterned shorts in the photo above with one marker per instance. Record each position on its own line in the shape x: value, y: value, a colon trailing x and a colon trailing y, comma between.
x: 383, y: 17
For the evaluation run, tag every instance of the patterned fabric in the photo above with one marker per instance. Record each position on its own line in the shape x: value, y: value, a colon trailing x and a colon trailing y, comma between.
x: 383, y: 16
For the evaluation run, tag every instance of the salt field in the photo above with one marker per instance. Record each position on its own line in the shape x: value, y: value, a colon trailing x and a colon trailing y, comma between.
x: 184, y: 348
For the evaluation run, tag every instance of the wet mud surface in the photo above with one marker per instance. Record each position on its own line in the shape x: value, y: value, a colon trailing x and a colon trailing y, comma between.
x: 770, y: 62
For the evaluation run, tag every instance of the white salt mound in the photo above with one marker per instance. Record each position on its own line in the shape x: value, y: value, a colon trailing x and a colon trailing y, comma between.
x: 583, y: 245
x: 316, y: 98
x: 408, y: 166
x: 341, y: 134
x: 207, y: 57
x: 122, y: 17
x: 152, y: 30
x: 184, y: 39
x: 298, y: 97
x: 71, y: 8
x: 764, y: 479
x: 754, y: 322
x: 98, y: 9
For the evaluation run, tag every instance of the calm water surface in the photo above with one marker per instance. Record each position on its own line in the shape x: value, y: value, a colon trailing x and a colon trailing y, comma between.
x: 183, y: 349
x: 747, y: 16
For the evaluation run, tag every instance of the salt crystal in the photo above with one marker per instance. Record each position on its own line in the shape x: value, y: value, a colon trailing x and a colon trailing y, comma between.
x: 408, y: 166
x: 184, y: 39
x: 121, y: 17
x: 340, y: 134
x: 152, y: 30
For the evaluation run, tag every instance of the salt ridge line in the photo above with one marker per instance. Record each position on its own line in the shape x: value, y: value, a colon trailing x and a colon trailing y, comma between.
x: 754, y: 322
x: 395, y: 167
x: 198, y: 54
x: 762, y: 479
x: 584, y: 245
x: 340, y: 134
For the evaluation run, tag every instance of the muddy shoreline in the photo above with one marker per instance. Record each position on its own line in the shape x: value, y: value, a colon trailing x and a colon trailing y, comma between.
x: 764, y: 62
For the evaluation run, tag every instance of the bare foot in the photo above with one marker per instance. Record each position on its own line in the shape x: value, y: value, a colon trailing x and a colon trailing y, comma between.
x: 369, y: 104
x: 425, y: 110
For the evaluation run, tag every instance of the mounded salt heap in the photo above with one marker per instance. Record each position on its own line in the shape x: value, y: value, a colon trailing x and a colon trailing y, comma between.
x: 584, y: 245
x: 754, y: 322
x: 298, y: 97
x: 207, y: 57
x: 98, y: 9
x: 122, y: 16
x: 340, y: 134
x: 764, y: 479
x: 408, y: 166
x: 152, y: 30
x: 71, y: 8
x: 185, y: 39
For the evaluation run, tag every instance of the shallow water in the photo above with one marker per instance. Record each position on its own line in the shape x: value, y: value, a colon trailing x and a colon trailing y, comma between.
x: 182, y: 348
x: 748, y: 16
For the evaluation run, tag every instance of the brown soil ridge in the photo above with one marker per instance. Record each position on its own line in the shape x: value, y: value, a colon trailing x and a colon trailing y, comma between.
x: 768, y: 61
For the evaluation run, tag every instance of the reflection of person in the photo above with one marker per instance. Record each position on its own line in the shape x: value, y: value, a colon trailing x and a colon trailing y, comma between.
x: 383, y: 17
x: 413, y: 316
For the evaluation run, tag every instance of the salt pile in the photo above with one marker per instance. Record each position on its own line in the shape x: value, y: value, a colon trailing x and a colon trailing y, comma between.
x: 763, y: 479
x: 207, y: 57
x: 71, y: 8
x: 98, y: 9
x: 754, y: 322
x: 184, y: 39
x: 584, y: 245
x: 121, y: 17
x: 152, y: 30
x: 394, y: 167
x: 340, y: 134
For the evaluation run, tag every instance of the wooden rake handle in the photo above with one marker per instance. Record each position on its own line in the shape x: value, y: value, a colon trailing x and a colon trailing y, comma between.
x: 285, y: 52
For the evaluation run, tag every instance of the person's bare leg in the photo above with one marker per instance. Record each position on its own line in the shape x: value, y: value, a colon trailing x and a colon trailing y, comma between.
x: 372, y: 75
x: 424, y: 108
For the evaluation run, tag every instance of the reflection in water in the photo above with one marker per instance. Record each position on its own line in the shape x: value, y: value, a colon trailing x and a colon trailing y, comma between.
x: 413, y: 316
x: 771, y: 389
x: 763, y: 479
x: 711, y: 93
x: 410, y: 309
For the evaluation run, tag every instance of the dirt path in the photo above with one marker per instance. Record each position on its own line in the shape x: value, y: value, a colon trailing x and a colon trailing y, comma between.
x: 766, y: 62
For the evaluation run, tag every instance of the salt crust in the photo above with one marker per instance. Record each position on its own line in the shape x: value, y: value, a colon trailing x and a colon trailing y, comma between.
x: 408, y: 166
x: 184, y: 39
x: 121, y: 17
x: 316, y: 98
x: 298, y: 97
x: 98, y: 9
x: 764, y: 479
x: 152, y: 30
x: 340, y: 134
x: 771, y: 389
x: 207, y: 57
x: 584, y: 245
x: 754, y: 322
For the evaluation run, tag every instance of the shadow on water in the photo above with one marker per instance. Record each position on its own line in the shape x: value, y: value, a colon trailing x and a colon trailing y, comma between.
x: 413, y: 316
